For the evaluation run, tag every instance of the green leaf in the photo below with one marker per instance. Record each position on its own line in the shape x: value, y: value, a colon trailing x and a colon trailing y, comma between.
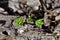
x: 39, y: 22
x: 19, y: 21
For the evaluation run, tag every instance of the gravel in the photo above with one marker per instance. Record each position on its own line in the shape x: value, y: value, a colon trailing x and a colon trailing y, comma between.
x: 27, y: 32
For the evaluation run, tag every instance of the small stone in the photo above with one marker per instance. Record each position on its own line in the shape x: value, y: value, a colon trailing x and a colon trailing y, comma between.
x: 5, y: 12
x: 58, y: 34
x: 20, y: 11
x: 1, y: 9
x: 20, y: 31
x: 35, y: 8
x: 57, y: 17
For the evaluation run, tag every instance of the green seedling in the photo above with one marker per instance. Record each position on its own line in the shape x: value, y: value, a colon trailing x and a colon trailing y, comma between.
x: 19, y: 21
x: 39, y: 22
x: 30, y: 19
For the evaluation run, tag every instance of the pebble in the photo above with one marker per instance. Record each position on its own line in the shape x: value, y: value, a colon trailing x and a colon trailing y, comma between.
x: 1, y: 9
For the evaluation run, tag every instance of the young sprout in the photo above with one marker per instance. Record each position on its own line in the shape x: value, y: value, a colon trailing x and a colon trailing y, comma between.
x: 19, y: 21
x: 30, y: 19
x: 39, y: 22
